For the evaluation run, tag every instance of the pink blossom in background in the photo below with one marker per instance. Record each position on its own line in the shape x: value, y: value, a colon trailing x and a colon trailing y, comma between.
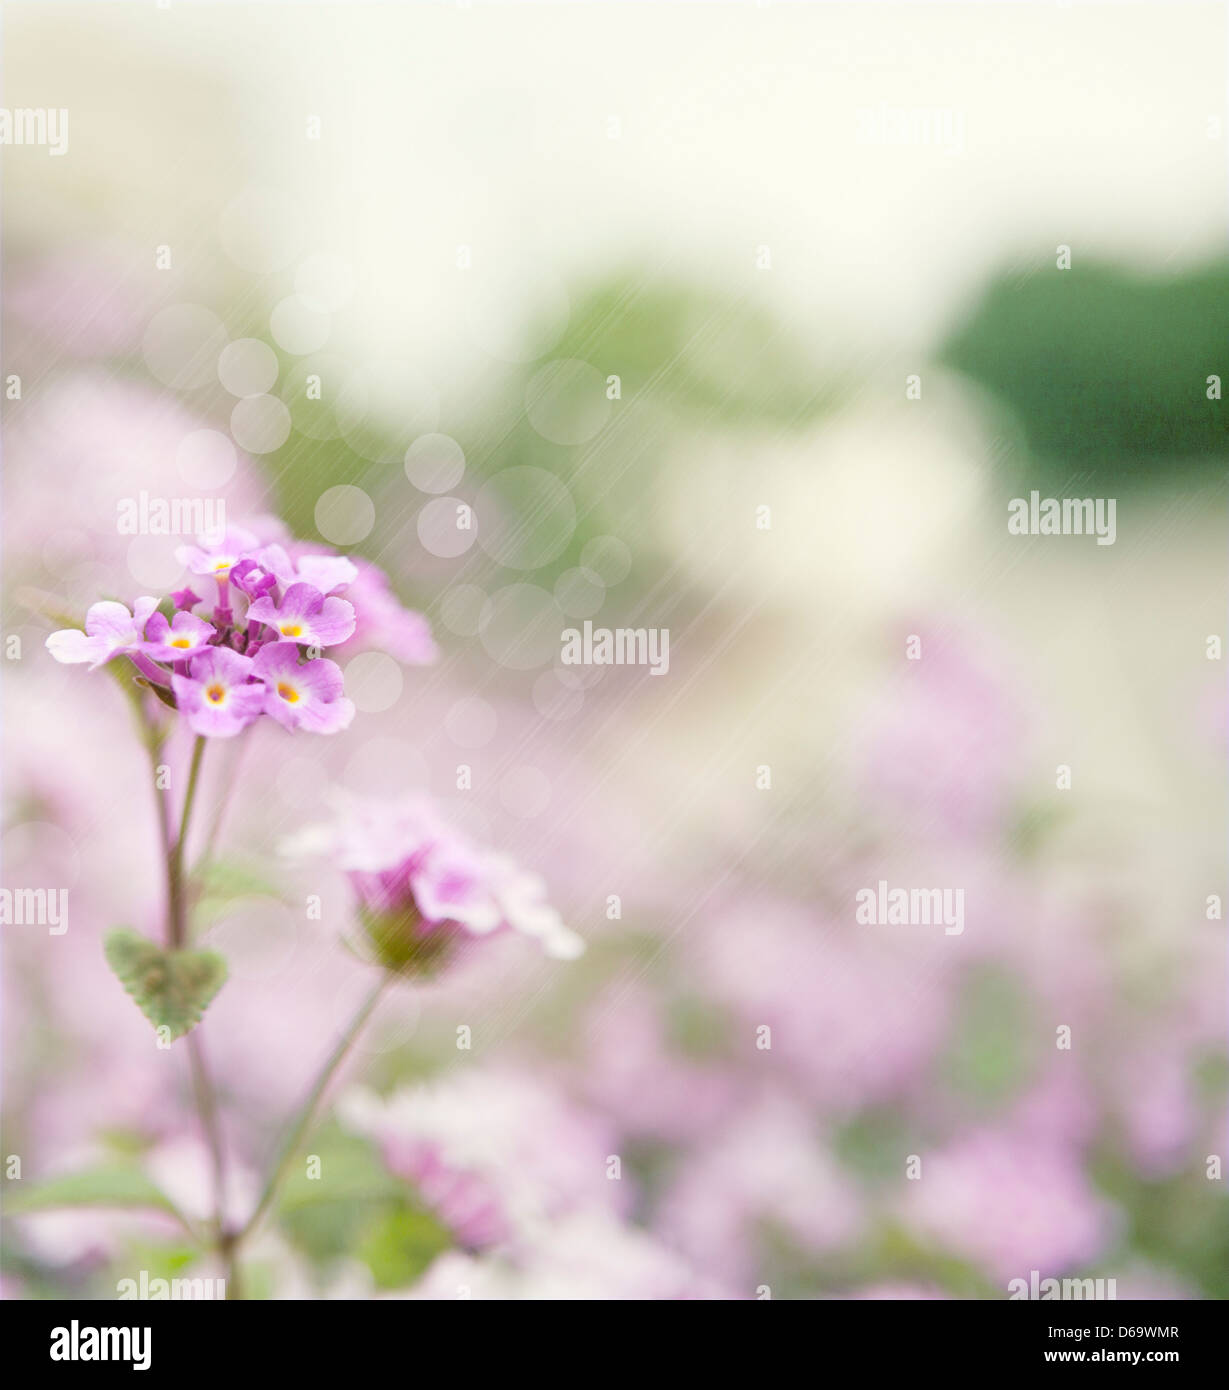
x: 80, y: 302
x: 1010, y: 1203
x: 767, y: 1170
x: 1059, y: 1106
x: 588, y: 1255
x: 495, y: 1154
x: 632, y: 1072
x: 1159, y: 1107
x: 868, y: 1032
x: 384, y: 624
x: 942, y: 743
x: 87, y: 442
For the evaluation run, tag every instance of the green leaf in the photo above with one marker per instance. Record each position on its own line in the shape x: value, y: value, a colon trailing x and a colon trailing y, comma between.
x: 992, y: 1051
x: 99, y: 1187
x: 160, y: 691
x: 399, y: 1245
x: 326, y: 1215
x: 171, y: 988
x: 344, y: 1179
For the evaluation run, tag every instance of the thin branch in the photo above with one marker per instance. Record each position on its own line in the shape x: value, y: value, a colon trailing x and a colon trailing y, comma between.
x: 302, y: 1123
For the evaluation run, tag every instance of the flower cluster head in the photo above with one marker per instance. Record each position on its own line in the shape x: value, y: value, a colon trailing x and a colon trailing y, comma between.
x: 258, y: 651
x: 423, y: 888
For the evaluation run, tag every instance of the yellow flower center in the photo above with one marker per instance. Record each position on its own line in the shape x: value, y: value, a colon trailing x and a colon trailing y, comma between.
x: 216, y: 694
x: 291, y: 629
x: 288, y: 693
x: 181, y: 642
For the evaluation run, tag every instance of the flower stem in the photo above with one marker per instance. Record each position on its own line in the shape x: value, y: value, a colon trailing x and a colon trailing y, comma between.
x: 204, y: 1092
x: 207, y: 1107
x: 227, y: 1242
x: 175, y: 877
x: 154, y: 749
x: 205, y: 857
x: 302, y: 1122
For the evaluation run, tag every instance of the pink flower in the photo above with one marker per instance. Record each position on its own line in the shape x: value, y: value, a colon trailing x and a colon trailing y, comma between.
x: 224, y: 695
x: 306, y: 616
x: 421, y: 883
x: 110, y: 630
x: 251, y: 578
x: 328, y: 573
x: 218, y: 696
x: 215, y: 557
x: 178, y: 639
x: 303, y: 695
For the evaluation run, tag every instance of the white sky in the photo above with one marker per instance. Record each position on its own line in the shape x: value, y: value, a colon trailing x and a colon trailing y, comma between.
x: 741, y: 126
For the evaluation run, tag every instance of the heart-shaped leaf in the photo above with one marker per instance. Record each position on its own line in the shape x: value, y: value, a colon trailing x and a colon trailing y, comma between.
x: 172, y: 988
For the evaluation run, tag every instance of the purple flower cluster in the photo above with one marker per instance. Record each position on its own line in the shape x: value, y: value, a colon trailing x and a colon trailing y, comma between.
x: 258, y: 651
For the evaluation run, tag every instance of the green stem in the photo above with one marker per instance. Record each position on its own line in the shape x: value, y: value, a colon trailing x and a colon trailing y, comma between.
x: 175, y: 875
x: 207, y: 1108
x: 302, y: 1123
x: 203, y: 1089
x: 204, y: 1092
x: 205, y: 858
x: 154, y: 748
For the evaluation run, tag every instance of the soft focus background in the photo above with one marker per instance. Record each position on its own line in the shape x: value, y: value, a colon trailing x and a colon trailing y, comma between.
x: 761, y: 220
